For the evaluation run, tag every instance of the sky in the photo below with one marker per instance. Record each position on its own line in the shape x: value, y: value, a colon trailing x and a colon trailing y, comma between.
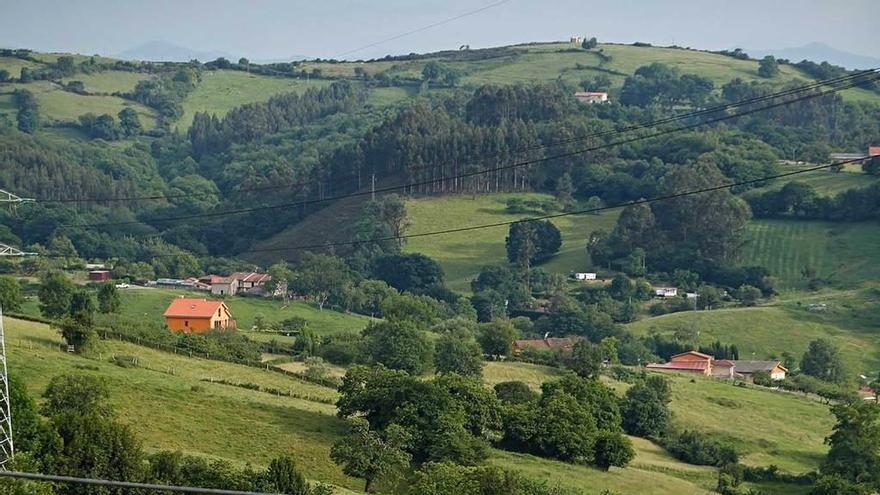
x: 278, y: 29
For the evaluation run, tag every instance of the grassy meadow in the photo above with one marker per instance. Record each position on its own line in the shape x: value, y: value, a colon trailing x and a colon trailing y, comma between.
x: 842, y: 252
x: 222, y: 90
x: 463, y: 254
x: 110, y: 81
x: 169, y: 406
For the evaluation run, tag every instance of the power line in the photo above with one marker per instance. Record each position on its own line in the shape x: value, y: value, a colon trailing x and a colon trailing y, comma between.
x: 124, y: 484
x: 423, y: 28
x: 569, y: 213
x: 470, y: 174
x: 479, y: 157
x: 543, y: 217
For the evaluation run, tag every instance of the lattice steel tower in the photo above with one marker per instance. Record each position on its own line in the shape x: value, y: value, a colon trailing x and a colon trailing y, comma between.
x: 6, y: 448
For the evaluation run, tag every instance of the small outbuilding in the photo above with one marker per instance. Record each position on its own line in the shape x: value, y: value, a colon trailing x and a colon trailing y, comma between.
x: 99, y: 275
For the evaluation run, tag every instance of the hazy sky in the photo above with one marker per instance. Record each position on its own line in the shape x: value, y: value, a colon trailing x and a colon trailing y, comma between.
x: 267, y: 29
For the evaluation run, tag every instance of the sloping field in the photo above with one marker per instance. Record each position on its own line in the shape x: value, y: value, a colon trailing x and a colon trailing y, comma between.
x: 844, y: 253
x: 222, y: 90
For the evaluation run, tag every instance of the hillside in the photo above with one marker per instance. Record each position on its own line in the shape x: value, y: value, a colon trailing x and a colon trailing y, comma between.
x: 221, y: 90
x: 787, y: 325
x: 198, y: 417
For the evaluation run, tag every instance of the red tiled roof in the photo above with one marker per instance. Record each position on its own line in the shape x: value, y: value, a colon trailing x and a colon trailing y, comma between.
x: 252, y: 277
x: 873, y: 150
x: 692, y: 353
x: 184, y: 307
x: 726, y: 363
x: 681, y: 365
x: 211, y: 279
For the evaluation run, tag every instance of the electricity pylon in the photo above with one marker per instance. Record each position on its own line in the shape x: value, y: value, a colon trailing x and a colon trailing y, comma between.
x: 7, y: 197
x: 6, y: 448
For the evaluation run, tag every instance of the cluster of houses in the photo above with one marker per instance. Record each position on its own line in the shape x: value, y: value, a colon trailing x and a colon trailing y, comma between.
x: 251, y: 283
x: 687, y: 362
x: 704, y: 364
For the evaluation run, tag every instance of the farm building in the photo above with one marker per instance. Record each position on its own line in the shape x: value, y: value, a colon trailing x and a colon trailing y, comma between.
x: 224, y: 286
x: 697, y: 362
x: 250, y: 280
x: 576, y: 39
x: 690, y: 361
x: 99, y: 275
x: 590, y: 97
x: 747, y: 369
x: 665, y: 291
x: 190, y: 315
x: 584, y: 276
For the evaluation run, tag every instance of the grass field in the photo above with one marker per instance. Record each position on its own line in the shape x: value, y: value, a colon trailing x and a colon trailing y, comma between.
x: 765, y: 332
x: 824, y: 182
x: 216, y: 420
x: 463, y: 254
x: 844, y: 253
x: 110, y: 81
x: 187, y: 413
x: 14, y: 65
x: 59, y: 105
x: 220, y: 91
x: 149, y: 304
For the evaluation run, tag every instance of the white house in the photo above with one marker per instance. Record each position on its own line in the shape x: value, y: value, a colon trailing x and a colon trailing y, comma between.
x: 584, y: 276
x: 691, y: 295
x: 576, y: 39
x: 590, y: 97
x: 665, y: 291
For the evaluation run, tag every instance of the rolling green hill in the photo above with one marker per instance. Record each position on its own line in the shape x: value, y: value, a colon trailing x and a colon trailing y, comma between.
x: 187, y: 413
x: 221, y: 90
x: 765, y: 332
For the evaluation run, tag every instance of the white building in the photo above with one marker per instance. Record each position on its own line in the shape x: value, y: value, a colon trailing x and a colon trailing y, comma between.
x: 590, y: 97
x: 665, y: 291
x: 585, y: 276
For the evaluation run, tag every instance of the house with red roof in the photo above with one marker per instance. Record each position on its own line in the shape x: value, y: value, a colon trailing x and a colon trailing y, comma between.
x: 690, y: 362
x: 590, y: 97
x: 698, y: 362
x: 190, y: 315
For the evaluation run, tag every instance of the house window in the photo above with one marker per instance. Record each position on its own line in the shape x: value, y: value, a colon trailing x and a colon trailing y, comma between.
x: 186, y: 323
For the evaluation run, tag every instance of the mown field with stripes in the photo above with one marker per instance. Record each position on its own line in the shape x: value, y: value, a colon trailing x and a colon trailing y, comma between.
x: 845, y: 254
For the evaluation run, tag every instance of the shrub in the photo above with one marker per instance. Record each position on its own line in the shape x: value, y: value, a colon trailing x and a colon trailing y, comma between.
x: 697, y: 448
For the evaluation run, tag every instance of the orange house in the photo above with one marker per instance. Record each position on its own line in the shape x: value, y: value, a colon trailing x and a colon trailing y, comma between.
x: 690, y: 361
x: 197, y: 315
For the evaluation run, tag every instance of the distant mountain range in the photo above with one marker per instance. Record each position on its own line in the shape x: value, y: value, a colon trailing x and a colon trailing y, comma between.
x: 819, y: 52
x: 163, y: 51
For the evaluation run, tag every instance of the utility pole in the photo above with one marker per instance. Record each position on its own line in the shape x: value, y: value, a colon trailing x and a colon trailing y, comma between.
x: 6, y: 251
x: 6, y: 449
x: 373, y: 187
